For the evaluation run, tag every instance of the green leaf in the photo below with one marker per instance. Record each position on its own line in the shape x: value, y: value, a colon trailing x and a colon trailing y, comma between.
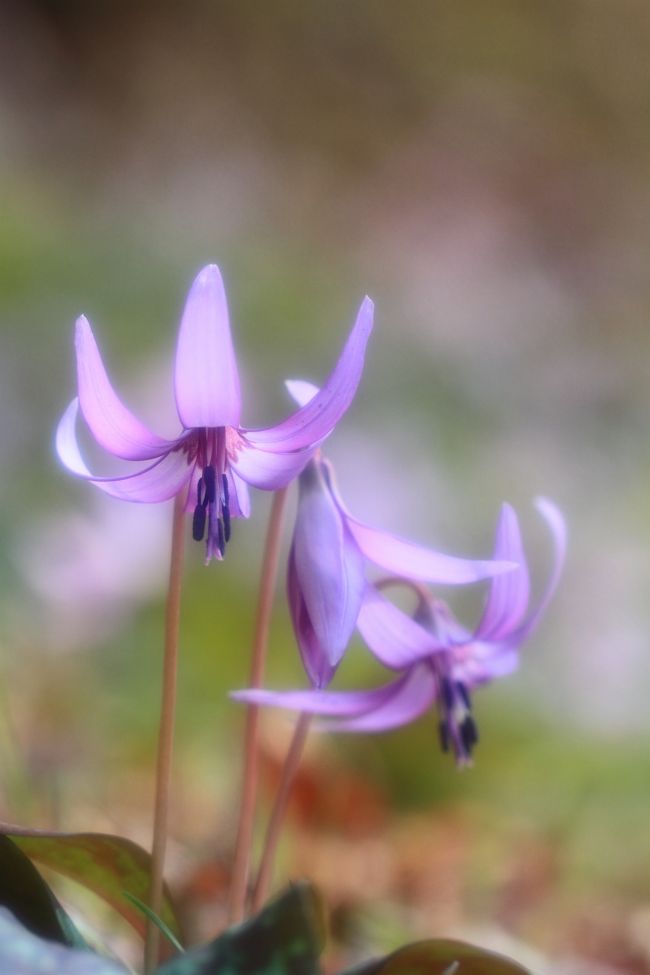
x: 441, y: 958
x: 30, y: 900
x: 285, y: 939
x: 107, y: 865
x: 152, y: 916
x: 23, y: 953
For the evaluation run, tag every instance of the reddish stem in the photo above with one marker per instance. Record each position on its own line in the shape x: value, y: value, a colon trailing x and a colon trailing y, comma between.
x: 241, y: 864
x: 274, y: 828
x: 166, y: 731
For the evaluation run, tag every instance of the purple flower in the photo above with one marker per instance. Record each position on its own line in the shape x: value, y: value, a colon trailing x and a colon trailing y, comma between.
x: 440, y: 662
x: 327, y: 564
x: 213, y: 458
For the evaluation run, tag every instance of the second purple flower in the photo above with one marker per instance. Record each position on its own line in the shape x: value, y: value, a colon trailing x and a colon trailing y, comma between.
x: 326, y: 578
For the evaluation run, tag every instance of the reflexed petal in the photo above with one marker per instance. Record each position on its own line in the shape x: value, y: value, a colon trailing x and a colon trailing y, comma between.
x: 301, y: 390
x: 66, y: 441
x: 557, y: 525
x: 343, y: 704
x: 395, y: 554
x: 483, y: 662
x: 393, y: 636
x: 206, y: 380
x: 192, y: 489
x: 240, y: 502
x: 314, y: 657
x: 268, y: 471
x: 113, y: 426
x: 404, y: 701
x: 316, y: 420
x: 507, y: 600
x: 158, y: 482
x: 328, y: 566
x: 444, y: 625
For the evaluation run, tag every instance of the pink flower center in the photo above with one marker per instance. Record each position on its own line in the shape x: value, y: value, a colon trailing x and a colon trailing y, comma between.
x: 211, y: 518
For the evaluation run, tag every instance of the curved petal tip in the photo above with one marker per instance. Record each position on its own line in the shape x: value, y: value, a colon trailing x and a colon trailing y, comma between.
x: 112, y: 424
x: 210, y: 274
x: 316, y: 419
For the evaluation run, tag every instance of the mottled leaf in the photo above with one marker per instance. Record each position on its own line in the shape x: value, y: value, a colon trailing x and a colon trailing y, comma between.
x: 441, y: 958
x: 285, y: 939
x: 30, y: 900
x: 23, y: 953
x: 107, y: 865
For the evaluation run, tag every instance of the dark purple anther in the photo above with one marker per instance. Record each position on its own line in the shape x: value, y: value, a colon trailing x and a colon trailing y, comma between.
x: 198, y: 523
x: 225, y: 506
x: 210, y: 485
x: 200, y: 487
x: 469, y: 734
x: 464, y: 694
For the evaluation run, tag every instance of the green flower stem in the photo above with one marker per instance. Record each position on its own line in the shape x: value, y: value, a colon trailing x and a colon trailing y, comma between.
x: 241, y: 864
x: 166, y: 731
x: 289, y: 769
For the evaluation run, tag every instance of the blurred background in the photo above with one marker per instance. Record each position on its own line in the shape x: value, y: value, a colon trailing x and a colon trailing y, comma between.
x: 482, y: 171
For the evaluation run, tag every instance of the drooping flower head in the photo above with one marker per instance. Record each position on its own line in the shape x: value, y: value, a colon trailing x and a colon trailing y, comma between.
x: 329, y: 554
x: 326, y: 578
x: 214, y: 458
x: 440, y: 661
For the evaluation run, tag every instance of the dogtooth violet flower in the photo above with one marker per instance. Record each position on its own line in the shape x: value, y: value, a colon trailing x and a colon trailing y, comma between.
x: 214, y: 458
x: 327, y: 563
x: 440, y: 662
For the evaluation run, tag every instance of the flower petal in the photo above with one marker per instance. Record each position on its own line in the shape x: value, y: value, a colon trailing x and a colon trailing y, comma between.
x: 111, y: 423
x: 206, y: 380
x: 395, y: 554
x: 191, y: 497
x: 301, y: 390
x: 314, y: 657
x: 557, y: 525
x: 403, y: 701
x: 341, y: 704
x: 328, y: 566
x: 266, y: 470
x: 477, y: 663
x: 396, y: 639
x: 316, y: 419
x: 158, y: 482
x: 240, y: 502
x: 507, y: 599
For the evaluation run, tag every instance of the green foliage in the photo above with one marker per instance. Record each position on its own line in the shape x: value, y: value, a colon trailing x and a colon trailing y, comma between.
x: 107, y: 865
x: 152, y: 916
x: 441, y: 957
x: 285, y: 939
x: 30, y: 900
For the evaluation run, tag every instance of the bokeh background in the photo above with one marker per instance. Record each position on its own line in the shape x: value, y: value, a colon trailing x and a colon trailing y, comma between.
x: 482, y: 171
